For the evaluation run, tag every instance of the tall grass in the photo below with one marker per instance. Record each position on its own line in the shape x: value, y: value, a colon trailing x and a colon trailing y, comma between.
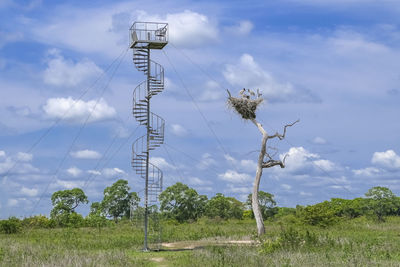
x: 357, y: 242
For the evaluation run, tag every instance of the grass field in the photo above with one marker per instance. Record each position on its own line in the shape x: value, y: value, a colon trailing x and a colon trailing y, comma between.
x: 358, y: 242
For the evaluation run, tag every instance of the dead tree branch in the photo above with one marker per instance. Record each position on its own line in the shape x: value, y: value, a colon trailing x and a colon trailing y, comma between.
x: 282, y: 136
x: 271, y: 162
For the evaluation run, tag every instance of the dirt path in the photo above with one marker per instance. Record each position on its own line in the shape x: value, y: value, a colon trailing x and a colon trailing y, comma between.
x: 194, y: 244
x: 161, y: 259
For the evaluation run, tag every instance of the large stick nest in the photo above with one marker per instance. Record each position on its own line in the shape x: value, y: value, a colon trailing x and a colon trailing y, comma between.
x: 245, y: 105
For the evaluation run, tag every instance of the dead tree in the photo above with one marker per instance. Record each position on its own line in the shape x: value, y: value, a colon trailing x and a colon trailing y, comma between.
x: 246, y: 107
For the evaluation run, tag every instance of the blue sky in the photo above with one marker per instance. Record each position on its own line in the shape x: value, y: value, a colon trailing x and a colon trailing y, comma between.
x: 332, y: 64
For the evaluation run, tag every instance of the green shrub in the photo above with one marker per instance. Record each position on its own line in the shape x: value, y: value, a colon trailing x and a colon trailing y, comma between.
x: 10, y: 226
x: 224, y: 207
x: 248, y: 214
x: 291, y: 239
x: 73, y: 219
x: 39, y: 221
x: 283, y: 211
x: 289, y: 219
x: 96, y: 220
x: 319, y: 214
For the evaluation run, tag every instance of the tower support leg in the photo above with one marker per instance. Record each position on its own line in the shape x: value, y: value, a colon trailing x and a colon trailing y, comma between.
x: 146, y: 198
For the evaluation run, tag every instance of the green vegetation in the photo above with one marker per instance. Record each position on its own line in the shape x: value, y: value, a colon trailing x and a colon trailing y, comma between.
x: 182, y: 203
x: 224, y: 207
x: 382, y: 202
x: 116, y: 200
x: 339, y: 232
x: 267, y: 204
x: 64, y: 204
x: 356, y: 242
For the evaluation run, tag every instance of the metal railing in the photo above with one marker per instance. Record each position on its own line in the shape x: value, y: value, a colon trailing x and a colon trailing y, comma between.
x: 144, y: 32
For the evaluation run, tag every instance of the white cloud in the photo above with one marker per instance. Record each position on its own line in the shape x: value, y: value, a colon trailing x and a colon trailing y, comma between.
x: 346, y: 187
x: 198, y: 181
x: 29, y: 192
x: 206, y: 161
x: 94, y: 172
x: 235, y: 177
x: 12, y: 202
x: 388, y: 159
x: 108, y: 172
x: 325, y: 165
x: 121, y: 132
x: 239, y: 189
x: 74, y: 171
x: 187, y: 29
x: 286, y: 186
x: 86, y: 154
x: 178, y: 130
x: 248, y: 165
x: 247, y: 73
x: 245, y: 164
x: 243, y: 28
x: 319, y: 140
x: 68, y: 184
x: 347, y: 42
x: 84, y: 30
x: 18, y: 164
x: 9, y: 37
x: 161, y: 163
x: 205, y: 188
x: 305, y: 194
x: 212, y: 92
x: 78, y: 110
x: 62, y: 72
x: 24, y: 157
x: 230, y: 159
x: 369, y: 171
x: 6, y: 165
x: 2, y: 153
x: 298, y: 159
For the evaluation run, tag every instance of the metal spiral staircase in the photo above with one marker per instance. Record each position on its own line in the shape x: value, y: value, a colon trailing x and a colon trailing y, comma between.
x: 141, y: 100
x: 144, y: 37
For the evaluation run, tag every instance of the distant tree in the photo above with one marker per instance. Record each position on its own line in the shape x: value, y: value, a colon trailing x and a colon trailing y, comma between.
x: 182, y: 203
x: 320, y: 214
x: 224, y: 207
x: 96, y: 208
x: 267, y: 204
x: 116, y: 201
x: 397, y: 206
x: 349, y: 208
x: 382, y: 202
x: 96, y: 216
x: 66, y: 201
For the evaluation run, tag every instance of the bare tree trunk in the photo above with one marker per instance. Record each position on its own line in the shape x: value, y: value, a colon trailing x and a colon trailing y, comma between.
x: 254, y: 201
x: 246, y: 107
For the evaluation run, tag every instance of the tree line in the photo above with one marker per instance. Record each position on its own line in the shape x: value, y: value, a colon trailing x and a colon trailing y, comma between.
x: 182, y: 204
